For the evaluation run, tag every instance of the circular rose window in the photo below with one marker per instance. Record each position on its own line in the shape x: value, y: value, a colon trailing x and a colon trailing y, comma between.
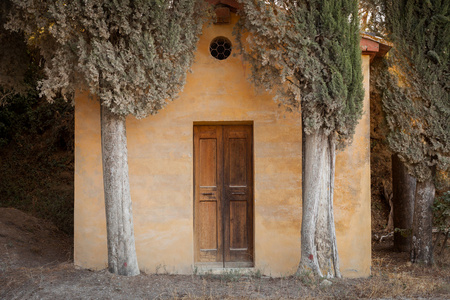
x: 220, y: 48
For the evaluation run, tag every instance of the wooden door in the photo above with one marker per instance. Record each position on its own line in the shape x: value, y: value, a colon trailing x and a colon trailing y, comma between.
x: 223, y: 188
x: 208, y: 177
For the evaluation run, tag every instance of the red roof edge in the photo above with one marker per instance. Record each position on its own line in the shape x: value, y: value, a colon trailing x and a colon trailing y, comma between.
x: 374, y: 46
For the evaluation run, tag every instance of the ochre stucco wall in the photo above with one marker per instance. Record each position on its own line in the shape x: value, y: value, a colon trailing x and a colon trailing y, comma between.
x: 352, y: 195
x: 160, y: 153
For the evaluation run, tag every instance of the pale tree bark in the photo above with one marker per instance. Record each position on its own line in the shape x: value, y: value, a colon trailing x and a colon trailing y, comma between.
x: 422, y: 229
x: 122, y: 258
x: 318, y: 236
x: 388, y: 195
x: 404, y: 189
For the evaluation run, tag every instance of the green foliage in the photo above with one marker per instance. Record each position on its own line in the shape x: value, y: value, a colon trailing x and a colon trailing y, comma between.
x: 441, y: 212
x: 133, y: 55
x: 27, y: 115
x: 232, y: 276
x: 36, y: 138
x: 416, y: 88
x: 36, y: 165
x: 371, y: 13
x: 16, y: 61
x: 308, y: 53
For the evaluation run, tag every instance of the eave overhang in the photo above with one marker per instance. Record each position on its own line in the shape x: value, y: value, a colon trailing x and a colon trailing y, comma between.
x: 373, y: 46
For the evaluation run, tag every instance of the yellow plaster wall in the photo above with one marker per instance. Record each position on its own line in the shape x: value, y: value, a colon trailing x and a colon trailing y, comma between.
x: 160, y: 150
x: 352, y: 195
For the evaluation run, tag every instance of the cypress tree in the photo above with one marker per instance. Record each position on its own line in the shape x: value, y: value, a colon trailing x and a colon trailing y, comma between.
x: 373, y: 16
x: 307, y: 53
x: 133, y: 56
x: 417, y: 104
x: 371, y: 13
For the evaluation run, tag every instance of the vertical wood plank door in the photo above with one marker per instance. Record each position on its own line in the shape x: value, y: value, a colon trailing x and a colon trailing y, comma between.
x: 223, y: 188
x: 208, y: 163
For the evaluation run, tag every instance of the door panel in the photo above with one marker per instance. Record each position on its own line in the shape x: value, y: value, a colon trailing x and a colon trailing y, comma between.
x: 208, y: 224
x: 238, y: 224
x: 208, y: 162
x: 208, y: 204
x: 238, y: 195
x: 223, y: 178
x: 237, y: 162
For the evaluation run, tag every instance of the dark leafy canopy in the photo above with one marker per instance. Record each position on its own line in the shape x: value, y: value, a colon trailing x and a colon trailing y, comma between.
x: 308, y: 52
x: 15, y: 60
x: 132, y: 54
x: 418, y: 111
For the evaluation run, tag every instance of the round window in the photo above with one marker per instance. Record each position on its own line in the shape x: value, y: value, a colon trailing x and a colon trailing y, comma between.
x: 220, y: 48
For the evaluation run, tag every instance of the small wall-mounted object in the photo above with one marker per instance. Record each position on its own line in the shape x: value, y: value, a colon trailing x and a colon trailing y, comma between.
x: 223, y: 15
x: 223, y: 9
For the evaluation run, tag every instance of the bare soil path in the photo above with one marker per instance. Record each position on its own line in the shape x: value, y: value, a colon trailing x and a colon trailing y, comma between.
x: 36, y: 263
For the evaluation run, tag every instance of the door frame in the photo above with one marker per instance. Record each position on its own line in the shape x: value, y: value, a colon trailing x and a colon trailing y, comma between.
x: 251, y: 238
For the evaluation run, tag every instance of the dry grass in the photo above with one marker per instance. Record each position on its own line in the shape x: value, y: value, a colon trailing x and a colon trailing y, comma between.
x: 392, y: 284
x: 393, y: 277
x: 42, y: 271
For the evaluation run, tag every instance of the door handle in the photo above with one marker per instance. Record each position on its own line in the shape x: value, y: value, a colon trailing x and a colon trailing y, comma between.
x: 240, y: 193
x: 207, y: 194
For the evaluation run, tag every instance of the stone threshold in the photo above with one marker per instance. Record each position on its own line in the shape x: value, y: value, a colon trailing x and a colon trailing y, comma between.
x: 213, y: 270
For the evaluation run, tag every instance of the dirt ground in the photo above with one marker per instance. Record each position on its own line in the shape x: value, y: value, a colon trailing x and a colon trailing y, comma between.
x: 36, y: 263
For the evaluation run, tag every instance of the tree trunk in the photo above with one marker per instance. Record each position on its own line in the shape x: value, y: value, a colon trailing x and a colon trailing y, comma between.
x: 119, y: 219
x: 388, y: 195
x: 318, y: 237
x: 422, y: 229
x: 404, y: 188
